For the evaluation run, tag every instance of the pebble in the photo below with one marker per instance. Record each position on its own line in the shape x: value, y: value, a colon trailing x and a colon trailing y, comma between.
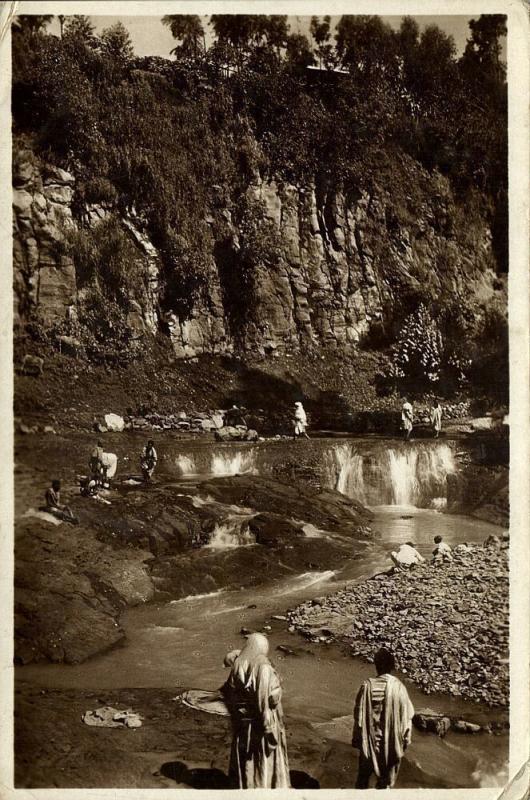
x: 453, y: 638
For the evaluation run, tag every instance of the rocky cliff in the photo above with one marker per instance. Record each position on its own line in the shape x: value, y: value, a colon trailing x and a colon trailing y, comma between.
x: 347, y: 262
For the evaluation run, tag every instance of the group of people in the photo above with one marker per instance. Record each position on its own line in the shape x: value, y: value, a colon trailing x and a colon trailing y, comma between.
x: 101, y: 466
x: 382, y: 721
x: 407, y: 555
x: 407, y: 419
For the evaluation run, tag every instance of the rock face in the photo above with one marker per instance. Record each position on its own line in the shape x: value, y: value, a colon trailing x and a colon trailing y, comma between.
x: 69, y: 590
x: 44, y: 274
x: 344, y: 259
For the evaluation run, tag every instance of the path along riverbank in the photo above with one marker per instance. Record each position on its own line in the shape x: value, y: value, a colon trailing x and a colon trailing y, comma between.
x: 446, y: 623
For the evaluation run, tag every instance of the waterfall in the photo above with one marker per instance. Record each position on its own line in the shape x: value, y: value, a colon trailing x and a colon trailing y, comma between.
x: 350, y: 479
x: 231, y: 463
x: 403, y: 477
x: 233, y: 532
x: 409, y: 475
x: 186, y: 465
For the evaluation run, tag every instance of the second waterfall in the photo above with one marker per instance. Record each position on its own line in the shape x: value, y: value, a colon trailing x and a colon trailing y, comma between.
x: 406, y: 475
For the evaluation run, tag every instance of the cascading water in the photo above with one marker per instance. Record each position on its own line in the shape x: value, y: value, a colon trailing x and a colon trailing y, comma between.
x: 232, y: 532
x: 186, y: 465
x: 230, y: 463
x: 350, y: 479
x: 404, y: 479
x: 411, y: 475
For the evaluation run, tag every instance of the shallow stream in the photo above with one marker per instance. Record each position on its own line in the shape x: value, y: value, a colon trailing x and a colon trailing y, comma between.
x: 182, y: 643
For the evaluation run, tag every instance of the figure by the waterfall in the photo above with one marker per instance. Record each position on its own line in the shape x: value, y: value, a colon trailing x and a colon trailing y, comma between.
x: 436, y: 419
x: 407, y: 556
x: 407, y: 418
x: 382, y: 724
x: 148, y: 459
x: 442, y: 552
x: 253, y: 695
x: 299, y: 421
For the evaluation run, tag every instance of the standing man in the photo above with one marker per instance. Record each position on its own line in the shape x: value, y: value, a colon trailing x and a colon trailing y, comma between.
x: 436, y: 419
x: 300, y: 421
x: 148, y: 460
x: 97, y: 466
x: 407, y: 418
x: 382, y: 724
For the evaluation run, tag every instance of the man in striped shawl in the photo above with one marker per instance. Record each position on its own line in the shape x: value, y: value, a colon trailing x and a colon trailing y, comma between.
x: 382, y: 724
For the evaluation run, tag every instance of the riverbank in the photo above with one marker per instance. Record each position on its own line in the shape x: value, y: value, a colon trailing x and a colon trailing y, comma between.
x: 178, y: 747
x: 447, y: 624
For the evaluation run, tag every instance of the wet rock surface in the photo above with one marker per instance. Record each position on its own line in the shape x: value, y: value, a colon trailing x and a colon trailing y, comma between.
x: 153, y: 542
x: 176, y: 747
x: 447, y: 624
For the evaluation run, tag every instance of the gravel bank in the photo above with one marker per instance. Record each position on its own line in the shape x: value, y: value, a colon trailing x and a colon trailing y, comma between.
x: 447, y: 624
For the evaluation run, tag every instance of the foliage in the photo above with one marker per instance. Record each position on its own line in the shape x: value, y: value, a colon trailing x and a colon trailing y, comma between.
x: 179, y: 140
x: 418, y: 353
x: 188, y: 30
x: 105, y: 258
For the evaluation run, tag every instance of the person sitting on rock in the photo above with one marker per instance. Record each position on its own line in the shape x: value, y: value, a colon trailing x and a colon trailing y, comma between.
x: 88, y: 487
x: 97, y: 466
x: 148, y: 460
x: 382, y: 724
x: 53, y: 504
x: 442, y: 551
x: 300, y: 421
x: 407, y: 556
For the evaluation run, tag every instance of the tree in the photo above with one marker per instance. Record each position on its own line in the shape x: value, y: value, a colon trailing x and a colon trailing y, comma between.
x: 481, y: 62
x: 298, y: 51
x: 321, y: 33
x: 366, y: 45
x: 80, y: 27
x: 188, y: 30
x: 31, y: 24
x: 236, y: 31
x: 116, y: 43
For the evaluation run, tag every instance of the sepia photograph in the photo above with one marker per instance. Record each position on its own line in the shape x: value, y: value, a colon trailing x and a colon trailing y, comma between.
x: 261, y: 398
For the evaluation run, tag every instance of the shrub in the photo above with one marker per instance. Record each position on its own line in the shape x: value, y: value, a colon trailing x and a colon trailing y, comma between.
x: 105, y: 257
x: 417, y: 356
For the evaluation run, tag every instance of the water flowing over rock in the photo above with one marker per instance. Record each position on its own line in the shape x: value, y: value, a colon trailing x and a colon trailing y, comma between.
x: 406, y: 475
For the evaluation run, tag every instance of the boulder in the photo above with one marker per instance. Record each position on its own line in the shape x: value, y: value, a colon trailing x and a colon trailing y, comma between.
x: 32, y: 365
x: 114, y: 422
x: 431, y: 722
x: 228, y: 434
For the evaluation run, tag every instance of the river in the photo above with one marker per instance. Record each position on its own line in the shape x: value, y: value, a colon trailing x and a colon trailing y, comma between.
x: 182, y: 643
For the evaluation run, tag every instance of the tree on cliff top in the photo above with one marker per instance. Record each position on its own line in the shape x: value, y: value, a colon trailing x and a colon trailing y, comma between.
x: 31, y: 24
x: 188, y: 30
x: 116, y: 43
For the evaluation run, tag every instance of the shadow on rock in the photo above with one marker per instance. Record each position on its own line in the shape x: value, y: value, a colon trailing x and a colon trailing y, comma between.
x: 200, y: 778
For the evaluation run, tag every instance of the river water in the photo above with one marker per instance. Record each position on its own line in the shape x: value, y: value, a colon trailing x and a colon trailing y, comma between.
x: 182, y: 643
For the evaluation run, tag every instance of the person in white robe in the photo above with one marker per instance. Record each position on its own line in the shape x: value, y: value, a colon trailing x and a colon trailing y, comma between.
x: 253, y: 695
